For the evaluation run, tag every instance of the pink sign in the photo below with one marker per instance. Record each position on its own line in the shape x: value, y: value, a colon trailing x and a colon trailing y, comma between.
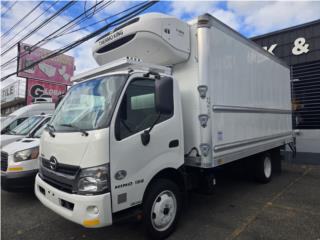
x: 43, y: 91
x: 58, y: 69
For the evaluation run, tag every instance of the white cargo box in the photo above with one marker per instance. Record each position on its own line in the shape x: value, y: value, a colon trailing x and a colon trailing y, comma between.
x: 246, y: 103
x: 236, y: 98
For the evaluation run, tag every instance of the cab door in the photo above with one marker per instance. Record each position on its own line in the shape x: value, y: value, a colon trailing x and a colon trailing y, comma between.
x: 133, y: 164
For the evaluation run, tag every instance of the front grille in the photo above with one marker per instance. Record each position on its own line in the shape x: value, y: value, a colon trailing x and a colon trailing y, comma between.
x: 4, y: 161
x: 62, y: 168
x: 63, y: 177
x: 57, y: 183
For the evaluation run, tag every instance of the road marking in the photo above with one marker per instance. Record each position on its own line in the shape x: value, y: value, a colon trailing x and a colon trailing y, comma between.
x: 253, y: 217
x: 288, y: 208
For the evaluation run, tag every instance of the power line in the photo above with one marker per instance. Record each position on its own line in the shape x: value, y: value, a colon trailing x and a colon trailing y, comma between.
x: 9, y: 8
x: 45, y: 22
x: 21, y: 20
x: 42, y: 24
x: 75, y: 21
x: 84, y: 9
x: 30, y: 23
x: 96, y: 10
x: 87, y: 37
x: 47, y: 39
x: 103, y: 20
x: 32, y: 47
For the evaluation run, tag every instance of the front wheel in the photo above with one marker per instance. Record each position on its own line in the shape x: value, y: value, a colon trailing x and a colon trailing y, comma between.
x: 162, y: 208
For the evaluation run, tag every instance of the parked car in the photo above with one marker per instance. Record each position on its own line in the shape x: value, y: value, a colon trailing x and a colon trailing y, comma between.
x: 18, y: 116
x: 27, y: 128
x: 19, y: 161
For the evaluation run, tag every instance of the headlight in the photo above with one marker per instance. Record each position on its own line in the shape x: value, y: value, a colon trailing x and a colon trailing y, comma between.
x: 94, y: 180
x: 28, y: 154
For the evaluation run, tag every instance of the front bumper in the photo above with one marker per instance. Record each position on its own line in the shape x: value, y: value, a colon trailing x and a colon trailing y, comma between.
x: 89, y: 211
x: 18, y: 180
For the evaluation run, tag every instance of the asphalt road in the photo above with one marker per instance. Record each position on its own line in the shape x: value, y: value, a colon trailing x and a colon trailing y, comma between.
x: 286, y: 208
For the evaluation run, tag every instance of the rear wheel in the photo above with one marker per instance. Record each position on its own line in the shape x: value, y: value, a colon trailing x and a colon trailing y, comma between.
x: 207, y: 183
x: 263, y: 168
x: 162, y: 208
x: 276, y: 160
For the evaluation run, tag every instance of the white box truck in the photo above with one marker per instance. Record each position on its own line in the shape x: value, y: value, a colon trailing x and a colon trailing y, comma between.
x: 138, y: 132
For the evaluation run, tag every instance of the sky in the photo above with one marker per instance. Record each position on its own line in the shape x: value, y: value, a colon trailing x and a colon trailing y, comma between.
x: 250, y: 18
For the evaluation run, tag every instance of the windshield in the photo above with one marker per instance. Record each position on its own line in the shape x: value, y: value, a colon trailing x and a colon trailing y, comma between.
x: 89, y: 105
x: 26, y: 126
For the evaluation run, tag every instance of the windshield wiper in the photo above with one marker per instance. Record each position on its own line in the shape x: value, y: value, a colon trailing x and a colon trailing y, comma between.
x: 51, y: 130
x: 85, y: 133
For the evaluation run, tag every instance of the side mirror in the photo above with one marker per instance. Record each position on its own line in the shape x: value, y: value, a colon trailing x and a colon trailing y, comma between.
x: 145, y: 137
x: 164, y: 95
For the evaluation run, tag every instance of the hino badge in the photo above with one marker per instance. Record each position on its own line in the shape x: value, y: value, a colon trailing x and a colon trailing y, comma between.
x: 137, y: 132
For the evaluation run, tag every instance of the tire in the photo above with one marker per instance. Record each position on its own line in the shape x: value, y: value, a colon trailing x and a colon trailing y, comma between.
x: 163, y: 201
x: 276, y: 160
x: 207, y: 183
x: 263, y: 168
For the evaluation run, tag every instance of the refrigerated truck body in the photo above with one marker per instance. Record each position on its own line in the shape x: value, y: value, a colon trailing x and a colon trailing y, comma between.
x: 139, y: 131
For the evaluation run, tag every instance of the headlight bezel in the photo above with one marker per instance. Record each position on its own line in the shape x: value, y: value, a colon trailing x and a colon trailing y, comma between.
x: 89, y: 175
x: 26, y: 154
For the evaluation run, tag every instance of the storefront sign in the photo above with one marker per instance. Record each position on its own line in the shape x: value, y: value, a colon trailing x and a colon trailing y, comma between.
x: 39, y: 90
x: 58, y: 69
x: 299, y: 47
x: 9, y: 92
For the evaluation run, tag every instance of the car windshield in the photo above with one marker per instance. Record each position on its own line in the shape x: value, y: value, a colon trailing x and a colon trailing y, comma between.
x: 38, y: 133
x: 89, y: 105
x: 26, y: 126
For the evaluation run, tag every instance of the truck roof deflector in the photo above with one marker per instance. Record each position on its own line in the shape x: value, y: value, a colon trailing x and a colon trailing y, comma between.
x: 122, y: 63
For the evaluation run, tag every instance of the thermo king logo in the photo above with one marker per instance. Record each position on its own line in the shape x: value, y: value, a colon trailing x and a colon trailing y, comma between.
x: 111, y: 37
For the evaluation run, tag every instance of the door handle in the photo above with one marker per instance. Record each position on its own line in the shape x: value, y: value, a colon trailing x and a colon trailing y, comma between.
x: 174, y: 143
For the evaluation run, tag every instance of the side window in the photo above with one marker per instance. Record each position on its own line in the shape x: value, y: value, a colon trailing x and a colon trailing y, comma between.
x: 137, y: 110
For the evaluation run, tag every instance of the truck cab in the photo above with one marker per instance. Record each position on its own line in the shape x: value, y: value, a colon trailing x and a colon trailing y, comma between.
x: 112, y: 135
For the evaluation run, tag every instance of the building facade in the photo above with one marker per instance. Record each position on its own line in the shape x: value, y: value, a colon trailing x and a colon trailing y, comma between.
x: 299, y: 47
x: 13, y: 97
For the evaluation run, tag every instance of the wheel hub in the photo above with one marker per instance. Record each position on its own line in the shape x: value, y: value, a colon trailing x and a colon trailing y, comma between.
x: 267, y: 167
x: 164, y: 210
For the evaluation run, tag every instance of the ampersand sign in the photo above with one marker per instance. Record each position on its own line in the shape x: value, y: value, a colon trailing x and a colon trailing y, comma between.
x: 300, y: 46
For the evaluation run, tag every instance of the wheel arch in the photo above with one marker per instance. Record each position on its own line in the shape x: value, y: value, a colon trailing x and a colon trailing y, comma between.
x: 175, y: 175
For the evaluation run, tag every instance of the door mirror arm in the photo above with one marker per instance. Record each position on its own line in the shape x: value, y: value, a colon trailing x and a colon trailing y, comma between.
x: 145, y: 136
